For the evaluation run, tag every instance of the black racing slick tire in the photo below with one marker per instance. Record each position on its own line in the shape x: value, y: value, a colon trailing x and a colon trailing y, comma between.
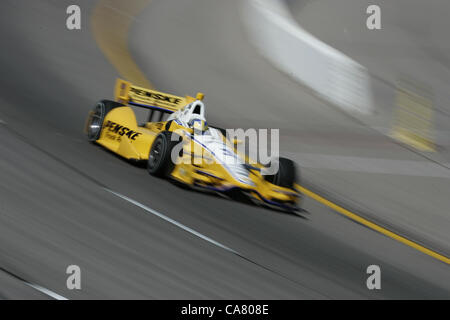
x: 287, y: 175
x: 160, y: 162
x: 97, y: 116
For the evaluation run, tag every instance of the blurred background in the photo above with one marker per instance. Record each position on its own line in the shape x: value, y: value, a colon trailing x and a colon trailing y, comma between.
x: 363, y: 112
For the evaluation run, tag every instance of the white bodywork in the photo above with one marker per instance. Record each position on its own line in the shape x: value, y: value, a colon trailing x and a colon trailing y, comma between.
x: 193, y: 111
x: 212, y: 140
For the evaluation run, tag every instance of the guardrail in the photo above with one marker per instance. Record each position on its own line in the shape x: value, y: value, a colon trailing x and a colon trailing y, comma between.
x: 328, y: 72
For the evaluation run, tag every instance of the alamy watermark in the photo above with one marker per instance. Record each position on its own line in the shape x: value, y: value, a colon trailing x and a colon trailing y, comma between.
x: 249, y: 147
x: 73, y: 21
x: 74, y: 280
x: 373, y: 21
x: 374, y: 280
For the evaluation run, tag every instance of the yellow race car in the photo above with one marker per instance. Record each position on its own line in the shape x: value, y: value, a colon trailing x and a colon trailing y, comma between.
x: 176, y: 143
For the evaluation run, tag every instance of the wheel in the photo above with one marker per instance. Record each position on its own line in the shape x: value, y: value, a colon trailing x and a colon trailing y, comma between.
x: 96, y: 117
x: 159, y: 160
x: 287, y: 174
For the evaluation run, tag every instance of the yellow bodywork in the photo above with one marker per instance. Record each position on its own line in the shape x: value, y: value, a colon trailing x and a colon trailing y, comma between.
x: 121, y: 132
x: 196, y: 166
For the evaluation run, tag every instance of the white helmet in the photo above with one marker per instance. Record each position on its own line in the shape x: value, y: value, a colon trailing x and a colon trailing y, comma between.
x: 195, y: 116
x: 192, y: 116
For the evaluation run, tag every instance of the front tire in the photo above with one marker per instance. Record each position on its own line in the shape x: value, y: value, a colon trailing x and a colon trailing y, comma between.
x: 160, y: 162
x: 97, y: 116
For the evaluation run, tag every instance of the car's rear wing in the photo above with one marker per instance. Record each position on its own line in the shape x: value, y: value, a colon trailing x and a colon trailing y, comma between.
x: 127, y: 93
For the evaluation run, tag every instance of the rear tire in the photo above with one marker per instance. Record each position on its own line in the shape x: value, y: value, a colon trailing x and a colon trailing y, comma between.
x: 287, y: 175
x: 97, y: 116
x: 160, y: 162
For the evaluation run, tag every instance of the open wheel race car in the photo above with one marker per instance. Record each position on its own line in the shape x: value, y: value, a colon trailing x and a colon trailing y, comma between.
x: 177, y: 144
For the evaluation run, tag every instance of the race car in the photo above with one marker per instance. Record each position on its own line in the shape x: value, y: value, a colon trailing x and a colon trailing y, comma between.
x: 176, y: 143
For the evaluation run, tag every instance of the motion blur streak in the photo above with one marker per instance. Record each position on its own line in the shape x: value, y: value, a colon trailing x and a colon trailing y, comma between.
x: 373, y: 226
x: 176, y: 223
x: 113, y: 41
x: 111, y: 20
x: 53, y: 214
x: 47, y: 292
x: 37, y: 287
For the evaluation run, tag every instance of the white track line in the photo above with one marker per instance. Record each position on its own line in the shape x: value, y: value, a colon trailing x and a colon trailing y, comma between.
x: 170, y: 220
x: 34, y: 286
x: 46, y: 291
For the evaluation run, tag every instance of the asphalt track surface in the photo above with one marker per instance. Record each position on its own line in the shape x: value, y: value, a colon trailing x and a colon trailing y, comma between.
x: 56, y: 209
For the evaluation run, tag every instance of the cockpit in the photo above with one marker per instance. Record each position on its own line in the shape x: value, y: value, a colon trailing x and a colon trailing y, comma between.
x: 193, y: 116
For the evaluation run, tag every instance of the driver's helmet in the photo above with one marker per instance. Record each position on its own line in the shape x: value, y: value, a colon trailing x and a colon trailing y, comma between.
x: 198, y: 123
x: 196, y: 116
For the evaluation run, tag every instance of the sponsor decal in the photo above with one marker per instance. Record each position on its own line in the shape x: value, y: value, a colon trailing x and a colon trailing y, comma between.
x: 157, y: 96
x: 121, y: 130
